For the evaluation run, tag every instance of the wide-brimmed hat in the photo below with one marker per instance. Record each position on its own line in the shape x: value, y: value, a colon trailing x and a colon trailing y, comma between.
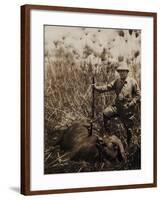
x: 123, y: 67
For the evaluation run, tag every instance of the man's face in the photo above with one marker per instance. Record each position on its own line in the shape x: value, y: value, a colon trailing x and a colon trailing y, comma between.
x: 123, y: 74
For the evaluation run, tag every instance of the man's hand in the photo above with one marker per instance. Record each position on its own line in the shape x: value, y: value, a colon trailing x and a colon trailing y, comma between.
x: 100, y: 89
x: 93, y: 85
x: 97, y: 88
x: 128, y: 105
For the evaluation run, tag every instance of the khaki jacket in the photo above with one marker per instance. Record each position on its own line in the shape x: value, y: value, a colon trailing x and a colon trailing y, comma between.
x: 125, y: 91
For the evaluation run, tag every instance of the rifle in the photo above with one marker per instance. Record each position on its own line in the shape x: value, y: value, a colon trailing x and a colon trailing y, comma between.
x: 92, y: 108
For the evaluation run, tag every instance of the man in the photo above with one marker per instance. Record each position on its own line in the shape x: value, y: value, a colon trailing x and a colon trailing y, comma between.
x: 127, y: 95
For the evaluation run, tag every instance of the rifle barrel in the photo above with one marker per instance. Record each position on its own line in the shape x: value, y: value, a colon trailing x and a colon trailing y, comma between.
x: 93, y: 82
x: 92, y: 116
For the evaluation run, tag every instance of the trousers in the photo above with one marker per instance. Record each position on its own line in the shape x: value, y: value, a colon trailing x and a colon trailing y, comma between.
x: 113, y: 111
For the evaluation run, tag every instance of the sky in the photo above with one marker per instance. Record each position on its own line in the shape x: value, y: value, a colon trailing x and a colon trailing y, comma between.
x: 96, y: 38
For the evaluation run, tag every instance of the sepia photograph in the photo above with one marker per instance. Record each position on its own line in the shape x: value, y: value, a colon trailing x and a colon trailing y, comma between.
x: 92, y: 99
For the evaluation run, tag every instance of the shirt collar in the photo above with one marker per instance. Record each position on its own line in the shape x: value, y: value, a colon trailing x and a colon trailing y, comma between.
x: 127, y: 79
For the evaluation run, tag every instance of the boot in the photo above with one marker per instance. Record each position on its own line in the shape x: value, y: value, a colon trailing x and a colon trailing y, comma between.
x: 106, y: 124
x: 129, y: 137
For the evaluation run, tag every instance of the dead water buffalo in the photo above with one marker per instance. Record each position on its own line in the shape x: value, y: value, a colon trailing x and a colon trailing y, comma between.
x: 82, y: 146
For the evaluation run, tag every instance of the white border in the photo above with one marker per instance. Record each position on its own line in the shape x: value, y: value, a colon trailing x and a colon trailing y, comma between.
x: 39, y: 181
